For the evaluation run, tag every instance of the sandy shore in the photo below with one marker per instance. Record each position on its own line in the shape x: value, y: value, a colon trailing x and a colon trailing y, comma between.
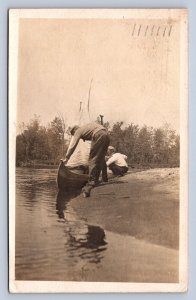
x: 144, y: 205
x: 142, y: 210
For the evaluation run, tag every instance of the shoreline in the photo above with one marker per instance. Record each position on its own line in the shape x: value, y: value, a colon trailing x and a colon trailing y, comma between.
x: 143, y: 204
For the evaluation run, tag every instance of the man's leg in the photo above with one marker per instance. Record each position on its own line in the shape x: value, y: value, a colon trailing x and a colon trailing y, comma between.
x: 99, y: 146
x: 125, y: 169
x: 116, y: 170
x: 104, y: 171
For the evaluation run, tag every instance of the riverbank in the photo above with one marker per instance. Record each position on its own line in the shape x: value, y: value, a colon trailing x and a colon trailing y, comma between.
x: 142, y: 211
x: 143, y: 204
x: 127, y: 231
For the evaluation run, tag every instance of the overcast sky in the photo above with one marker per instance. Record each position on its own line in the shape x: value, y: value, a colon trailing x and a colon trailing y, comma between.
x: 135, y: 73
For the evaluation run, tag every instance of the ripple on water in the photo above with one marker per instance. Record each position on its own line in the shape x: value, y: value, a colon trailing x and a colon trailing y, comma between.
x: 52, y: 242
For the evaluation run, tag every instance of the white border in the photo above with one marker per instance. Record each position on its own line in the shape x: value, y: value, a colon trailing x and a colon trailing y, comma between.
x: 102, y: 287
x: 97, y: 13
x: 183, y: 247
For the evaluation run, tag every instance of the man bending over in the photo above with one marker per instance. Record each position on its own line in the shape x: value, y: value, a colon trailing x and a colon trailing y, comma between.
x: 99, y: 138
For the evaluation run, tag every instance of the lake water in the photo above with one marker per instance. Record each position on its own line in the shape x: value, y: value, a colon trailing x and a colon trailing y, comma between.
x: 54, y: 243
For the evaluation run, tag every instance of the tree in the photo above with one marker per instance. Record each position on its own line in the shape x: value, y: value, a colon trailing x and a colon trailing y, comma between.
x: 143, y: 151
x: 32, y: 143
x: 20, y: 150
x: 145, y: 145
x: 29, y: 135
x: 158, y: 145
x: 117, y: 136
x: 56, y: 138
x: 129, y: 140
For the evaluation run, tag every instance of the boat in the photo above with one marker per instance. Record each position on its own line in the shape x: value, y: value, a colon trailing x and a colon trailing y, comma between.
x: 67, y: 179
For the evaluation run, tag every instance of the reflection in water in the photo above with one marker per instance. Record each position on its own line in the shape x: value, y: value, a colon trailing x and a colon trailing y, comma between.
x: 85, y: 241
x: 62, y: 199
x: 90, y: 246
x: 31, y: 183
x: 52, y: 241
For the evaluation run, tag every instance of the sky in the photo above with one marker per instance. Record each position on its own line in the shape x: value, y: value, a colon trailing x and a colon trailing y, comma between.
x: 133, y: 66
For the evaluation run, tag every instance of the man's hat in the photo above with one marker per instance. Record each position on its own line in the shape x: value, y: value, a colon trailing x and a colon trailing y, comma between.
x: 111, y: 148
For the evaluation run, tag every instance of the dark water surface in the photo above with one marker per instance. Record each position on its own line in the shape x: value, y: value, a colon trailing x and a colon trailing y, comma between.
x: 52, y: 242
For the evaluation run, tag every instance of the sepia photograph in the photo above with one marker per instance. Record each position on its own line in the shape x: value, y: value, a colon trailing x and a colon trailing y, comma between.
x: 98, y: 159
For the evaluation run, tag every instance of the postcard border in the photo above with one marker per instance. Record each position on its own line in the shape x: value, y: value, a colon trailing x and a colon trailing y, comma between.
x: 104, y: 287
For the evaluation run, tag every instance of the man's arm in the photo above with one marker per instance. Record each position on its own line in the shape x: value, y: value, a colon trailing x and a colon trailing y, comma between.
x: 111, y: 160
x: 73, y: 146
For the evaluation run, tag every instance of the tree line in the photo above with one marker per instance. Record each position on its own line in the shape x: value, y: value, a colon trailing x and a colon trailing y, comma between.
x: 144, y: 146
x: 147, y: 146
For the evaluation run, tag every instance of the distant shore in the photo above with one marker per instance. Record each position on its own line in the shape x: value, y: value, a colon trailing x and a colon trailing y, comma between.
x: 38, y: 165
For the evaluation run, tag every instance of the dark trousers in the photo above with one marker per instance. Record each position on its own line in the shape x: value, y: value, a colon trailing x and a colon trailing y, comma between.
x: 99, y: 147
x: 116, y: 170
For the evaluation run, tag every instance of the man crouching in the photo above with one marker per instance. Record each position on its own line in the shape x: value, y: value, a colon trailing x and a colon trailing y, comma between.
x: 100, y: 140
x: 117, y: 162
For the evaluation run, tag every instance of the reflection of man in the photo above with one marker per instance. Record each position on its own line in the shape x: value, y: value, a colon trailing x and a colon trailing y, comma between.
x: 99, y: 138
x: 117, y: 162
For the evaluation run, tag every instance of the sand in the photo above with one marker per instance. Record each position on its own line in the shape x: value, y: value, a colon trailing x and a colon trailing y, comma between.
x: 141, y: 210
x: 143, y: 204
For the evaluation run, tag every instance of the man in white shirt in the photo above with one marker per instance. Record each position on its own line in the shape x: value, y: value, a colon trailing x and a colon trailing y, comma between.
x: 117, y: 162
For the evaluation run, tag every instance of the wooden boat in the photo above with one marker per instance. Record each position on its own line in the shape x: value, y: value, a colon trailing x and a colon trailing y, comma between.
x: 67, y: 179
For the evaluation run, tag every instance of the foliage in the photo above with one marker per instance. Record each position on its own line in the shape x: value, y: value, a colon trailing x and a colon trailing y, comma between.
x: 143, y: 146
x: 39, y: 143
x: 146, y: 145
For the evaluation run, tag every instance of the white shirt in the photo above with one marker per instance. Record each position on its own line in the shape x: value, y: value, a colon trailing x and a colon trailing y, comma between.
x: 118, y: 159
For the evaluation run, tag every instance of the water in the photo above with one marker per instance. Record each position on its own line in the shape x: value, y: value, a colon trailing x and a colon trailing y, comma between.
x: 54, y: 243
